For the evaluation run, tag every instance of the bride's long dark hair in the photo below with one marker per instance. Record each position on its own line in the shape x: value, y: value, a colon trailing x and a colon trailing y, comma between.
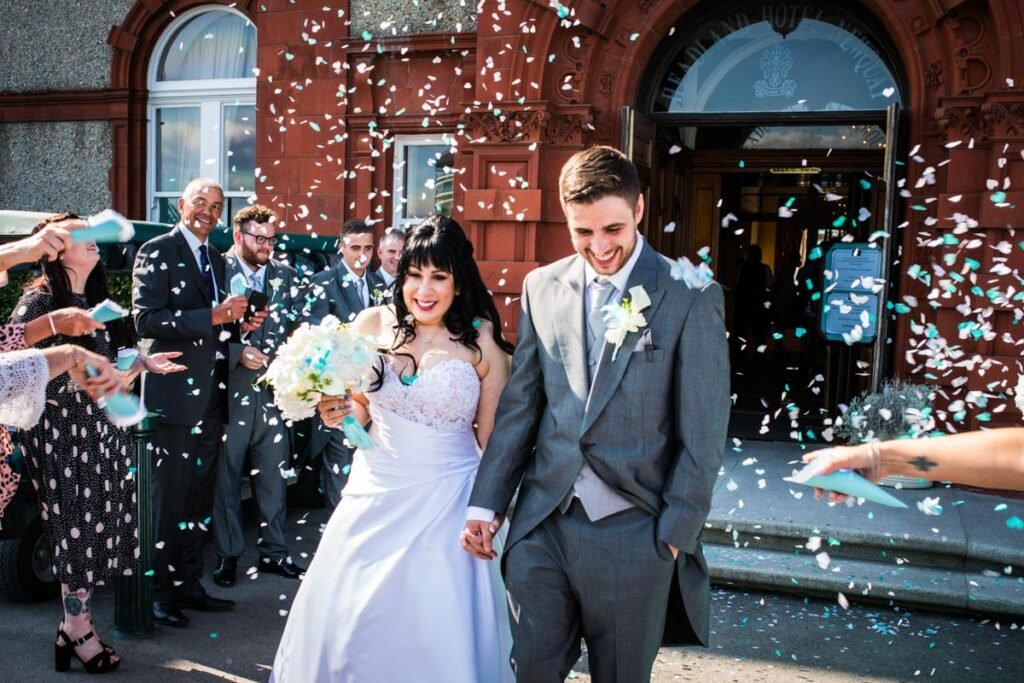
x: 440, y: 242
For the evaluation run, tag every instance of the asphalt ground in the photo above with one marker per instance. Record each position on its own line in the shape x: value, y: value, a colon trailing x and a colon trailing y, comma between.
x: 755, y: 637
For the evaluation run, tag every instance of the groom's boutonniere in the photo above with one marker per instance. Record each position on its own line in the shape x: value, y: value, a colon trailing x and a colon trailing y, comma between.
x: 625, y: 317
x: 377, y: 296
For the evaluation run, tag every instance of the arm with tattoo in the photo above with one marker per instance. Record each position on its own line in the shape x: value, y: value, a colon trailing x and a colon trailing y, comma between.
x: 992, y: 459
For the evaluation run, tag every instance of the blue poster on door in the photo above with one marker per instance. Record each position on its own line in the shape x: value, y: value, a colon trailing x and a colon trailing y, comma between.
x: 852, y: 293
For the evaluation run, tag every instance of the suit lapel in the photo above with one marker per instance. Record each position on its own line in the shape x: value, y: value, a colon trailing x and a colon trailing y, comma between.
x: 609, y: 373
x: 570, y: 336
x: 189, y: 259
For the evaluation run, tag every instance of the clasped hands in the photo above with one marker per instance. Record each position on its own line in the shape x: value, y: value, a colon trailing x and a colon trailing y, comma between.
x: 478, y: 535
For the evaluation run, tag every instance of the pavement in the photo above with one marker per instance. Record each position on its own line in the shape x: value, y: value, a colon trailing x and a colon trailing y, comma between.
x: 766, y: 533
x: 776, y: 610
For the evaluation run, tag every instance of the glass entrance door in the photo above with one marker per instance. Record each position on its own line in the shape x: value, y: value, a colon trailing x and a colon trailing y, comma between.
x: 786, y: 378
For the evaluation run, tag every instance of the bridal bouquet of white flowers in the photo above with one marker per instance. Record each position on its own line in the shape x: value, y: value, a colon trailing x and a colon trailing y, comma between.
x: 326, y: 359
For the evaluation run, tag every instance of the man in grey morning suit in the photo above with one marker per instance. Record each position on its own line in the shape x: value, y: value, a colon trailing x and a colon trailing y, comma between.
x: 615, y: 452
x: 255, y: 427
x: 342, y: 291
x: 180, y: 304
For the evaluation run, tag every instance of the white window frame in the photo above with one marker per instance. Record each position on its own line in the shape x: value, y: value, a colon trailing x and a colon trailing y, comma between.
x: 402, y: 143
x: 211, y: 96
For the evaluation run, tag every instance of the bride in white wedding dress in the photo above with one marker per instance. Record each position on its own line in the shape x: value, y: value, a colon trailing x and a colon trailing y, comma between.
x: 390, y: 594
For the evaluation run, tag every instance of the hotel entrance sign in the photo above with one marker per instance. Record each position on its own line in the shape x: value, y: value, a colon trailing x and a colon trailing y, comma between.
x: 853, y: 287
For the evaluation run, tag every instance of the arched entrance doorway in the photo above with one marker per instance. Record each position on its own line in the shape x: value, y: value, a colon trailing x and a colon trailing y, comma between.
x: 764, y: 134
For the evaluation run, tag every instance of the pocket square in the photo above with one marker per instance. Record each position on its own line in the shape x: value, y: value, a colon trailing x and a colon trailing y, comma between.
x: 644, y: 341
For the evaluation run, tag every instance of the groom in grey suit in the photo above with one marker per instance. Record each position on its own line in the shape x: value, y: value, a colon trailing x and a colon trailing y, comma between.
x: 342, y: 291
x: 613, y: 438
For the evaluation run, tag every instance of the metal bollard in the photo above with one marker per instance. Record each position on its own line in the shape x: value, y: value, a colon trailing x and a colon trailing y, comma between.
x: 133, y: 595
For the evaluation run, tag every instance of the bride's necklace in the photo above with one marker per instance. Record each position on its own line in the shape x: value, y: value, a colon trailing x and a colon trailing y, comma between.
x: 428, y: 341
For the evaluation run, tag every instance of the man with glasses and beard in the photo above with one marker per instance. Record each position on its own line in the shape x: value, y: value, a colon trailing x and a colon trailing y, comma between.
x: 255, y: 427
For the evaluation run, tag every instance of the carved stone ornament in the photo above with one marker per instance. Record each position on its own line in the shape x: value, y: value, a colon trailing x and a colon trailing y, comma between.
x: 919, y: 25
x: 569, y: 129
x: 963, y: 121
x: 646, y: 5
x: 1006, y: 119
x: 607, y: 83
x: 933, y: 75
x: 509, y: 126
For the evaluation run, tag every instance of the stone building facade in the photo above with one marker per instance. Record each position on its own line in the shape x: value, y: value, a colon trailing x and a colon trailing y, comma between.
x: 343, y: 94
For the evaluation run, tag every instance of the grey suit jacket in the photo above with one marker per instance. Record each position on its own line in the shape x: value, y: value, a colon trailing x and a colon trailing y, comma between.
x: 280, y: 284
x: 653, y: 425
x: 328, y: 293
x: 172, y: 312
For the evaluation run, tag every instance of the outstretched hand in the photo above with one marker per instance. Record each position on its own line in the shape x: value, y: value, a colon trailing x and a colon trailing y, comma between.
x: 829, y: 460
x: 162, y: 363
x: 477, y: 537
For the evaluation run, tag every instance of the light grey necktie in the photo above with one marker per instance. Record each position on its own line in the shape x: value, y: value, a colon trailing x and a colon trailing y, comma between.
x: 602, y: 292
x: 254, y: 283
x: 361, y: 291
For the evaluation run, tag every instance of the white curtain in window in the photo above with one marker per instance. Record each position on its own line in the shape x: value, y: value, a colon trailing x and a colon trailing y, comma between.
x: 211, y: 45
x: 177, y: 158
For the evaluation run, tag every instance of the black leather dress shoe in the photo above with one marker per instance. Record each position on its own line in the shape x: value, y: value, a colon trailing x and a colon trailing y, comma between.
x: 285, y: 568
x: 224, y: 574
x: 204, y: 602
x: 167, y: 613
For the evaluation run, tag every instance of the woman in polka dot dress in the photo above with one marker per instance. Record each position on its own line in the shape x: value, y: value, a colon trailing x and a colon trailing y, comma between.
x: 80, y: 464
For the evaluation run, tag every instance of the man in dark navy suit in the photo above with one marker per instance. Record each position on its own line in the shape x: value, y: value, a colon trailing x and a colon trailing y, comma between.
x: 342, y: 291
x: 180, y: 304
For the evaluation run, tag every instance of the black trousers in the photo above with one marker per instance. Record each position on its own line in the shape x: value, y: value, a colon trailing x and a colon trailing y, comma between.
x: 184, y: 477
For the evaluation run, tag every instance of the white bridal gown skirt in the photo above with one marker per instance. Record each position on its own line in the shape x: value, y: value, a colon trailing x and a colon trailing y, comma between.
x: 391, y: 595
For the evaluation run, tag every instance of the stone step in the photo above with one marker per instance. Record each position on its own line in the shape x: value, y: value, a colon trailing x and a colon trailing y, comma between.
x: 931, y: 547
x: 903, y: 583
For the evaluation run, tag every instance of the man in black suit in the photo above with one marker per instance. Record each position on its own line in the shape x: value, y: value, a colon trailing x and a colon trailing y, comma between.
x: 180, y: 304
x: 342, y: 291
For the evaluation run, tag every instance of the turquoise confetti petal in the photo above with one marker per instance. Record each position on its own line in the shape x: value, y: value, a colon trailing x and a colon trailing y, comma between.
x: 1015, y: 523
x: 998, y: 197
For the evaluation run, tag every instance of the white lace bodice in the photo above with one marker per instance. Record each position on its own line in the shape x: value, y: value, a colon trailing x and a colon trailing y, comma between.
x: 443, y: 397
x: 23, y: 378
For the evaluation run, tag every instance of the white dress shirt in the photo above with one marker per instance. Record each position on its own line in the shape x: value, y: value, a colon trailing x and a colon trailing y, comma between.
x: 260, y: 274
x: 194, y: 243
x: 352, y: 277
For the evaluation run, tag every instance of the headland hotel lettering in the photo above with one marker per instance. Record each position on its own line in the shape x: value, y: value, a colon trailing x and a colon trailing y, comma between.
x: 784, y: 18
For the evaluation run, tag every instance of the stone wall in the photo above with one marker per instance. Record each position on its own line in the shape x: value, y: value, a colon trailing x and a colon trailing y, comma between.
x: 55, y: 166
x: 57, y: 45
x: 402, y: 17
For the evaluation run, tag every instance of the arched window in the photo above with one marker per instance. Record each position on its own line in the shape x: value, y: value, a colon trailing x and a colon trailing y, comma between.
x: 747, y: 57
x: 202, y: 109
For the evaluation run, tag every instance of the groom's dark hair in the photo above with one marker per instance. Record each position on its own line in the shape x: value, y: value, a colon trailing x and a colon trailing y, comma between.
x: 596, y: 173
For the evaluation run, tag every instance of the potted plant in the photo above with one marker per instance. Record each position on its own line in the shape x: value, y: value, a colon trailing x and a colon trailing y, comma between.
x: 898, y: 410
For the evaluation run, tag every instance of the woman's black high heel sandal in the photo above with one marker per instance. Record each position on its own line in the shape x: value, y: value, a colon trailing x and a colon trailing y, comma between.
x: 101, y: 663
